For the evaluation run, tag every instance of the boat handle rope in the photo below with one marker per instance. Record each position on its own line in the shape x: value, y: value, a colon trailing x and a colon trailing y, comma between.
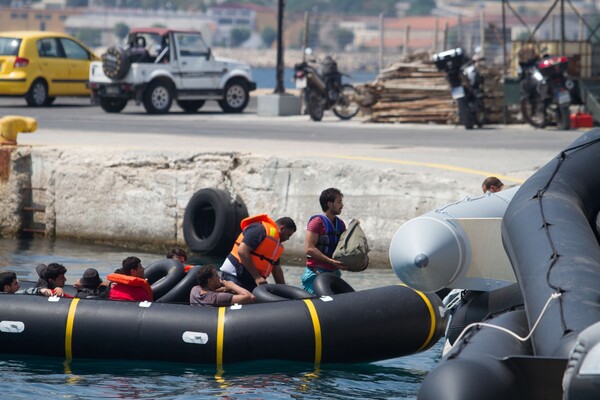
x: 553, y: 296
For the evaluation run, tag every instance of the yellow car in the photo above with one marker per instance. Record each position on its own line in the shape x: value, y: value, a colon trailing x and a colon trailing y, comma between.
x: 43, y: 65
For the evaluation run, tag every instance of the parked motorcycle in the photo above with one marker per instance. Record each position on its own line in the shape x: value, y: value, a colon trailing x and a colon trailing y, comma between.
x: 546, y: 88
x: 466, y: 85
x: 324, y: 90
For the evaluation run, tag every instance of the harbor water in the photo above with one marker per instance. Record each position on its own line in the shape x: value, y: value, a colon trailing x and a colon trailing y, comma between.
x: 265, y: 77
x: 43, y: 378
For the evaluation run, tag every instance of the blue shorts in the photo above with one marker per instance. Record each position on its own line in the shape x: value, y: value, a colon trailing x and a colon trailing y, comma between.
x: 309, y: 275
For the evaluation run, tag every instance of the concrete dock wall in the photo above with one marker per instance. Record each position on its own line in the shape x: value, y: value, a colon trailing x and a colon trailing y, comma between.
x: 138, y: 198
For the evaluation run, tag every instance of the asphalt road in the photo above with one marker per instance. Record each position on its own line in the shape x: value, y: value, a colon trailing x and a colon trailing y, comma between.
x: 512, y: 151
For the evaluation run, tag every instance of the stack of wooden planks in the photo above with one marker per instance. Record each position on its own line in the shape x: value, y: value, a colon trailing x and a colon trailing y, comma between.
x: 416, y: 92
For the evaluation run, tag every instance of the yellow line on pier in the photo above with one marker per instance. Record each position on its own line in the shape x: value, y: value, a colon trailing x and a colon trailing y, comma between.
x: 434, y: 165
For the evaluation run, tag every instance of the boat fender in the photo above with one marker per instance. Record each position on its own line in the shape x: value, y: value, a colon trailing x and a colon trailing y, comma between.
x: 211, y: 221
x: 582, y: 376
x: 326, y: 284
x: 180, y: 293
x: 279, y: 292
x: 163, y: 275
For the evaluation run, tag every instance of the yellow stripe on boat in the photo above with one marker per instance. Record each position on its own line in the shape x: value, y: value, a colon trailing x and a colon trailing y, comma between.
x: 431, y: 317
x: 69, y: 329
x: 220, y: 337
x: 317, y: 328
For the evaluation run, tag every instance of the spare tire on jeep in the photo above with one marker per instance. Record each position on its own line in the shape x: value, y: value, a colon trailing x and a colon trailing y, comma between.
x: 115, y: 62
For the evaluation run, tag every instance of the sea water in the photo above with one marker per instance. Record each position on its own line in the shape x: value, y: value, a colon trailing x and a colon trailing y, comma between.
x: 265, y: 77
x: 53, y: 378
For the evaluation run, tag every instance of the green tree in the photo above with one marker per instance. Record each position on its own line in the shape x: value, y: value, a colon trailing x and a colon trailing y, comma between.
x: 421, y: 7
x: 239, y: 36
x: 343, y: 37
x: 268, y: 36
x: 121, y: 30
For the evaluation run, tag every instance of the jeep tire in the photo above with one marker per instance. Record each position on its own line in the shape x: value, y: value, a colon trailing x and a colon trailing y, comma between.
x: 112, y: 104
x: 236, y: 97
x: 158, y: 97
x: 115, y: 63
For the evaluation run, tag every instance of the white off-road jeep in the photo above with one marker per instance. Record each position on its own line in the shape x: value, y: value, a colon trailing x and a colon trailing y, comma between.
x: 161, y: 65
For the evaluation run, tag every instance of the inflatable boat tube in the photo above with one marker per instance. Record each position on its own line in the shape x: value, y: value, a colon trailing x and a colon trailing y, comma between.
x: 211, y: 221
x: 326, y: 284
x: 582, y: 376
x: 279, y: 292
x: 180, y: 293
x: 548, y: 233
x: 435, y: 251
x: 393, y: 321
x: 473, y: 369
x: 477, y: 306
x: 163, y: 275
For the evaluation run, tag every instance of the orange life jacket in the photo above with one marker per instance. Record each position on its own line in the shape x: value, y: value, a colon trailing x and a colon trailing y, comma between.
x: 268, y: 251
x: 131, y: 281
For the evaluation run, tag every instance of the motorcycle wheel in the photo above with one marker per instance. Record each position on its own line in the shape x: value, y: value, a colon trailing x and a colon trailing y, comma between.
x: 534, y: 112
x: 315, y: 105
x: 479, y: 113
x: 464, y: 114
x: 346, y: 106
x: 563, y: 117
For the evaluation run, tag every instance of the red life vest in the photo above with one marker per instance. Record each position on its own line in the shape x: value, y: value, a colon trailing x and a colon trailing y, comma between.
x: 132, y: 281
x: 268, y: 251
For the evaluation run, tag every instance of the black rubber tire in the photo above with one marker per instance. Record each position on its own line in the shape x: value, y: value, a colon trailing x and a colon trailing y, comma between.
x: 236, y: 97
x: 180, y: 293
x: 37, y: 96
x: 563, y: 117
x: 190, y: 106
x: 327, y: 284
x: 163, y: 275
x: 533, y: 118
x: 479, y: 112
x: 211, y: 221
x: 158, y: 97
x: 464, y: 114
x: 346, y: 107
x: 112, y: 104
x: 315, y: 105
x: 116, y: 63
x: 279, y: 292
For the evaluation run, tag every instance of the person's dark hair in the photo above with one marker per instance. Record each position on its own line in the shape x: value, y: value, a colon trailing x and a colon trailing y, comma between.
x: 6, y: 278
x: 328, y: 195
x: 130, y: 263
x: 54, y: 270
x: 177, y: 251
x: 491, y: 181
x: 204, y: 274
x: 287, y: 222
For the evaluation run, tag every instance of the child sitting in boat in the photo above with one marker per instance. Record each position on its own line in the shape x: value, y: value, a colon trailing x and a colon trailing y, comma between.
x: 51, y: 281
x: 90, y: 286
x: 212, y: 291
x: 129, y: 283
x: 8, y: 282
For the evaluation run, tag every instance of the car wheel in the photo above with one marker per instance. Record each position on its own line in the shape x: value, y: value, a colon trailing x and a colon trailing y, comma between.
x: 236, y: 97
x: 112, y: 105
x: 158, y: 98
x: 37, y: 96
x: 190, y: 106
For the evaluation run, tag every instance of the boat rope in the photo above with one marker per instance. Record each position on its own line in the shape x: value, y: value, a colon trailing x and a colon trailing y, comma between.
x: 553, y: 296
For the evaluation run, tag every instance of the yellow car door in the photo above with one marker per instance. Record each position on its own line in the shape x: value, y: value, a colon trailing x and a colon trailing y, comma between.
x: 53, y: 66
x: 79, y: 66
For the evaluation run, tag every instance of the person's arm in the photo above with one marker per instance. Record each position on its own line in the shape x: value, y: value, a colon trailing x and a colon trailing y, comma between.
x: 278, y: 274
x: 312, y: 238
x: 244, y: 251
x: 240, y: 295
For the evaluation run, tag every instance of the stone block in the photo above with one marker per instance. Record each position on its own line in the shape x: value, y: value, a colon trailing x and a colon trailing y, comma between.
x: 274, y: 105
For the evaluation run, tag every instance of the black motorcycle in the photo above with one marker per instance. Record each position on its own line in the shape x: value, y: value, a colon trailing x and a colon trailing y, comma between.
x: 324, y: 90
x: 466, y: 85
x: 546, y: 87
